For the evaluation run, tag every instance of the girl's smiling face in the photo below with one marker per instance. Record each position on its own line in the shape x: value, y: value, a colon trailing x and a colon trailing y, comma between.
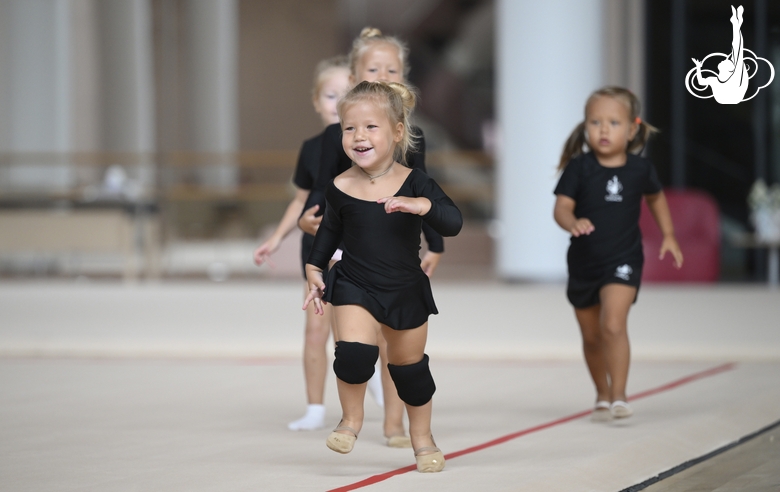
x: 334, y: 84
x: 381, y: 61
x: 369, y: 137
x: 608, y: 127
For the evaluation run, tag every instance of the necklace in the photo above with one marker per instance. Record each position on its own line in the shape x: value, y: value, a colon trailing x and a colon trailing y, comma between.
x: 372, y: 178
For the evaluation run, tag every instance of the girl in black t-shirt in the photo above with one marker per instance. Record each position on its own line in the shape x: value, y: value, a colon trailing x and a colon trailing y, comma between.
x: 598, y: 201
x: 378, y: 289
x: 331, y: 82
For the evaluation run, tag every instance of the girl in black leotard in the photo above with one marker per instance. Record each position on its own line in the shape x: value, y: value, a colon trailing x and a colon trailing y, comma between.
x: 599, y: 198
x: 373, y: 57
x: 331, y: 82
x: 377, y: 208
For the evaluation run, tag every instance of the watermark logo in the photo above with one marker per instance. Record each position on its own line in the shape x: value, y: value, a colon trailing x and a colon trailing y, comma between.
x: 729, y: 85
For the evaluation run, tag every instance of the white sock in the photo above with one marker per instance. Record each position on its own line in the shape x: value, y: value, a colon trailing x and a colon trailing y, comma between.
x: 313, y: 420
x: 375, y: 388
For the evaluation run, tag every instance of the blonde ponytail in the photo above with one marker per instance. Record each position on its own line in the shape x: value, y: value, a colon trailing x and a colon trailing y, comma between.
x: 370, y: 32
x: 573, y: 146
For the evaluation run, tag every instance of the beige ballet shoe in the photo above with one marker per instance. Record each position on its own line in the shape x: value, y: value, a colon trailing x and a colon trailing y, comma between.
x: 429, y: 463
x: 399, y: 441
x: 621, y: 409
x: 601, y: 412
x: 341, y: 443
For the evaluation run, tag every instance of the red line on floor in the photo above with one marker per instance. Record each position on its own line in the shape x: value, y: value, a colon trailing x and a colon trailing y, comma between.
x: 644, y: 394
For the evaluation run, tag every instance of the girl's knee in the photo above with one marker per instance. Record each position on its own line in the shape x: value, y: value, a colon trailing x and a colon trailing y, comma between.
x: 612, y: 328
x: 592, y: 342
x: 317, y: 333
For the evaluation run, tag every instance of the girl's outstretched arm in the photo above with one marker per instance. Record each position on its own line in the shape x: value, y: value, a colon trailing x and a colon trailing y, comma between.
x: 660, y: 210
x: 564, y: 216
x: 287, y: 224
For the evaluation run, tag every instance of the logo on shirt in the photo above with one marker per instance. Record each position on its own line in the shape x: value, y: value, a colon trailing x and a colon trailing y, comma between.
x: 614, y: 187
x: 624, y: 272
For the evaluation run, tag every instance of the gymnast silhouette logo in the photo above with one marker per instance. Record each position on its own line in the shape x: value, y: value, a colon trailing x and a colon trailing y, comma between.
x: 735, y: 70
x: 624, y: 272
x: 614, y: 187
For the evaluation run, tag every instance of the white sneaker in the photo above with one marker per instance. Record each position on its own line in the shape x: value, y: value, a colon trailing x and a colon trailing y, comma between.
x: 621, y: 409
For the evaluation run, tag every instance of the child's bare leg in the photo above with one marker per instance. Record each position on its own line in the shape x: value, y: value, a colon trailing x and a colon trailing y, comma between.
x: 353, y: 324
x: 593, y: 347
x: 406, y: 348
x: 315, y: 369
x: 315, y: 359
x: 394, y: 407
x: 616, y: 300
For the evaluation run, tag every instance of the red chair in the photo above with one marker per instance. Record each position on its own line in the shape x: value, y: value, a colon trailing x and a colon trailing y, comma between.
x: 697, y: 226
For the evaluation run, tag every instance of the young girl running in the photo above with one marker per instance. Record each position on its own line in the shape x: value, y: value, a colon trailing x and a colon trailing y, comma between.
x: 374, y: 56
x: 377, y: 209
x: 598, y: 201
x: 331, y: 82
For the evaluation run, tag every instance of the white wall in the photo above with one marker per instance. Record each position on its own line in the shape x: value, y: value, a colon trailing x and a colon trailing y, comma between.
x: 549, y: 58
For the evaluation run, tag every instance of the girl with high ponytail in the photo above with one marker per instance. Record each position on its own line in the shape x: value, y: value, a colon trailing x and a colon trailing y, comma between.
x: 378, y: 290
x: 598, y: 202
x: 374, y: 57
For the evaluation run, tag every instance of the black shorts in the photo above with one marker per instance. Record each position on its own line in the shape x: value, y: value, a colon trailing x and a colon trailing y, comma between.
x: 584, y: 292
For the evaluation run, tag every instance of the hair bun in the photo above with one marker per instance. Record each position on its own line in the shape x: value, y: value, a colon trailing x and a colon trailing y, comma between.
x: 408, y: 97
x: 370, y: 32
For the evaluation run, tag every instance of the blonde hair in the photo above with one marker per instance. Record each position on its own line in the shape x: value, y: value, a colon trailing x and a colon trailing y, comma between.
x: 371, y: 36
x: 323, y: 68
x: 574, y: 144
x: 397, y: 100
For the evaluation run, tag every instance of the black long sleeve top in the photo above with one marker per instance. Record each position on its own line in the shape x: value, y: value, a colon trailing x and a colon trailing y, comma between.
x: 334, y: 161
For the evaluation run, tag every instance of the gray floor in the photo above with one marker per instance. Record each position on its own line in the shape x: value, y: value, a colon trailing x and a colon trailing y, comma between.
x: 112, y: 387
x: 753, y: 465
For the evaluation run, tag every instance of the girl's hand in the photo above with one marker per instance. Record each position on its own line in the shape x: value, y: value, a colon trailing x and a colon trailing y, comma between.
x: 316, y: 290
x: 429, y: 262
x: 582, y: 227
x: 264, y: 251
x: 308, y: 222
x: 416, y: 206
x: 670, y: 244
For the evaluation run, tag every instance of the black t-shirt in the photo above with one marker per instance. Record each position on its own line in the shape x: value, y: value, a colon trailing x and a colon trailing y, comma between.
x: 611, y: 198
x: 334, y: 161
x: 308, y: 163
x: 304, y: 178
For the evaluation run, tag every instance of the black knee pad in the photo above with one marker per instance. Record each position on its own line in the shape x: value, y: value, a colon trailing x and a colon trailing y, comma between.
x: 414, y: 382
x: 355, y: 361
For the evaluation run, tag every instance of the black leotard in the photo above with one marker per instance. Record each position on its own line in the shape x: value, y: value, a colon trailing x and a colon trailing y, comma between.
x: 334, y: 161
x: 380, y: 269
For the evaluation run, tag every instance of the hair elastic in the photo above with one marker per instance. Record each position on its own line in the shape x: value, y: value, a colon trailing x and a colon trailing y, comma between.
x: 638, y: 120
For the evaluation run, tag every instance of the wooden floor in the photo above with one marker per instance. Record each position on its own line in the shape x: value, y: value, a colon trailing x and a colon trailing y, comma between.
x: 750, y: 465
x: 160, y: 387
